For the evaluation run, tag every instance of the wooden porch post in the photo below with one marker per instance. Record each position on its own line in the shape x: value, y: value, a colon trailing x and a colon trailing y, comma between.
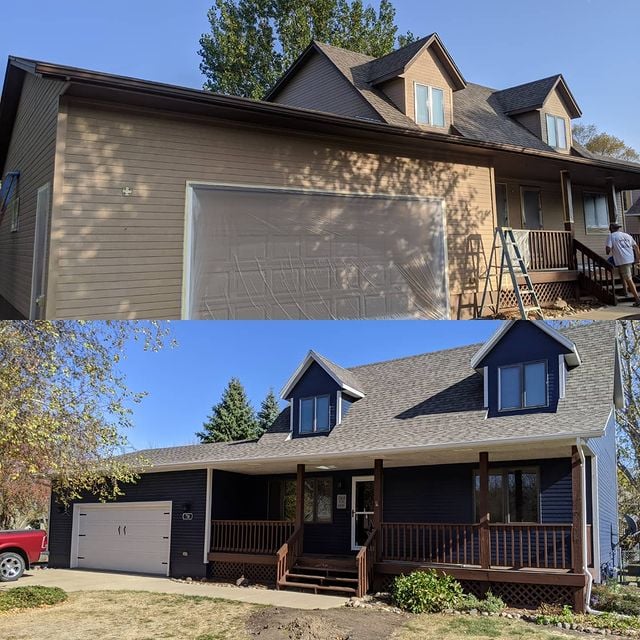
x: 300, y: 501
x: 567, y: 201
x: 378, y: 504
x: 577, y: 547
x: 483, y: 507
x: 612, y: 200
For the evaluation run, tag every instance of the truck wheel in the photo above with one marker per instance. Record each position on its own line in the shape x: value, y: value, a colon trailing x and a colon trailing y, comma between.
x: 11, y: 566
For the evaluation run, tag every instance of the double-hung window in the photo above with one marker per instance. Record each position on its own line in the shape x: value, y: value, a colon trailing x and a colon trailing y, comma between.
x: 514, y: 495
x: 596, y: 211
x: 429, y: 105
x: 556, y: 132
x: 314, y: 414
x: 523, y: 386
x: 318, y: 500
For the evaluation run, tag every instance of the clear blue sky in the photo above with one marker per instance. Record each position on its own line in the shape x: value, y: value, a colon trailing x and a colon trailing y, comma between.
x: 498, y: 43
x: 184, y: 382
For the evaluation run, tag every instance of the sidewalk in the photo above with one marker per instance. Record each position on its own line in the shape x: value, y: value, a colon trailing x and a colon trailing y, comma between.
x: 624, y: 311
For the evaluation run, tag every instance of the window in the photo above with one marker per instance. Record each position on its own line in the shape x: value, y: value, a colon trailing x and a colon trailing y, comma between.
x: 429, y: 105
x: 318, y: 500
x: 523, y: 386
x: 514, y: 495
x: 282, y: 499
x: 556, y: 132
x: 596, y: 211
x: 14, y: 214
x: 314, y: 414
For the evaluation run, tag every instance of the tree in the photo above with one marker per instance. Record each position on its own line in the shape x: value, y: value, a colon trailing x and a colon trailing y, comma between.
x: 252, y: 42
x: 603, y: 144
x: 269, y: 411
x: 64, y: 409
x: 232, y: 419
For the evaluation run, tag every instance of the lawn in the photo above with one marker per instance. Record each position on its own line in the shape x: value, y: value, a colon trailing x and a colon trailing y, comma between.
x: 127, y: 615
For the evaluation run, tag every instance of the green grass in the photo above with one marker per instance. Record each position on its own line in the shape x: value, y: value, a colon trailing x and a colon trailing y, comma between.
x: 30, y: 597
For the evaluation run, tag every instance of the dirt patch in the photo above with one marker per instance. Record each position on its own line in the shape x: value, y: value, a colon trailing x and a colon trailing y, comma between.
x: 332, y: 624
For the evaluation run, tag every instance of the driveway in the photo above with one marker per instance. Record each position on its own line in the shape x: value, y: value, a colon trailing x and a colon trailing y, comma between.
x: 81, y: 580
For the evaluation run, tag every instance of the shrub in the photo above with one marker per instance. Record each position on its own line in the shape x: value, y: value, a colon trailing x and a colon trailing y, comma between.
x: 616, y: 599
x: 426, y: 592
x: 551, y: 614
x: 29, y: 597
x: 490, y: 604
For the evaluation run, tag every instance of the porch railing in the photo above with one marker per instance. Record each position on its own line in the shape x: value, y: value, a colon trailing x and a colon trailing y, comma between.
x: 538, y: 546
x: 365, y: 561
x: 550, y: 250
x: 287, y: 555
x: 250, y: 536
x: 596, y: 275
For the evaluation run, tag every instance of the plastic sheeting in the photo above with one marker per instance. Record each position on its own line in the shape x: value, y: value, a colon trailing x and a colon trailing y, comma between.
x: 292, y: 254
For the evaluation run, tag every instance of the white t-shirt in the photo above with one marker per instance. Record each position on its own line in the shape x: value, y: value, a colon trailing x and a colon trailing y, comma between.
x: 621, y: 245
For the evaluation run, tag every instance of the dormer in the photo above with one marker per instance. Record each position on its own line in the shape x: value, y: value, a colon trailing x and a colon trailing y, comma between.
x: 420, y: 80
x: 544, y: 107
x: 525, y: 366
x: 319, y: 394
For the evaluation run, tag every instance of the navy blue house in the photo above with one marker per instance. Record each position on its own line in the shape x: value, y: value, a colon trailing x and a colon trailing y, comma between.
x: 495, y: 463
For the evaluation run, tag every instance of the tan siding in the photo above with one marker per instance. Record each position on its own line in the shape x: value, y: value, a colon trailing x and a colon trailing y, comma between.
x: 555, y: 106
x: 396, y: 92
x: 31, y: 151
x: 121, y: 257
x: 531, y: 121
x: 318, y: 85
x: 632, y: 224
x: 550, y: 197
x: 428, y: 70
x: 595, y: 240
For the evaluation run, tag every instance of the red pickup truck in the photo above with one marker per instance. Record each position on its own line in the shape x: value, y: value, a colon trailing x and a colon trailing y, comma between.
x: 19, y: 550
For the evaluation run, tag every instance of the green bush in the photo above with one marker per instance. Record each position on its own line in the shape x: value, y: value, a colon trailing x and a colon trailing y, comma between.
x: 490, y: 604
x: 548, y: 614
x: 29, y: 597
x: 616, y: 599
x: 426, y: 592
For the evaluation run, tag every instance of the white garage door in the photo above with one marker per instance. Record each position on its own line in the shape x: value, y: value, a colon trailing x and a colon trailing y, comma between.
x: 267, y: 253
x: 132, y: 537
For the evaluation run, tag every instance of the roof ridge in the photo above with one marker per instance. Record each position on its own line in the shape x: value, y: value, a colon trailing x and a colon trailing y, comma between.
x: 524, y: 84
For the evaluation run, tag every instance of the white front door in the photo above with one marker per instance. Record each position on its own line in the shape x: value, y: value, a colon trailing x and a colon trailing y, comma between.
x: 361, y: 510
x: 132, y: 537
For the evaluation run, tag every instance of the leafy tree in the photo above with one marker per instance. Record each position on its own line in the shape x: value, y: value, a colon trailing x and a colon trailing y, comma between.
x: 251, y: 43
x: 603, y: 144
x: 64, y: 408
x: 232, y: 419
x: 269, y: 411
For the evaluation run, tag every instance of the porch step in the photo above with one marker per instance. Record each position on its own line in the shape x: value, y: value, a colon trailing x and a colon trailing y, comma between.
x: 322, y: 579
x: 315, y: 588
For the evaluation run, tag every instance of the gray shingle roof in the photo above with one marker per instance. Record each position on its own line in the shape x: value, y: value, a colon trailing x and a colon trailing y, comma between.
x: 345, y: 375
x: 396, y: 61
x: 528, y: 96
x: 432, y: 400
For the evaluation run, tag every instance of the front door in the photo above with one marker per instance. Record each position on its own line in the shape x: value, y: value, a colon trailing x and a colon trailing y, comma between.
x: 361, y: 510
x: 531, y: 209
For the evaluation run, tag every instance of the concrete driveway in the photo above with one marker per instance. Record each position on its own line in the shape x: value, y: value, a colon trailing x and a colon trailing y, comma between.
x: 81, y: 580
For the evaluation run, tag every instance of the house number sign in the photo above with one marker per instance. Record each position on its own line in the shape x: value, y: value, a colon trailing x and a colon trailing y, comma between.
x: 341, y: 501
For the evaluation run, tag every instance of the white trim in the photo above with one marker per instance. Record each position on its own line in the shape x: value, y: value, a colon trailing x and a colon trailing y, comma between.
x: 354, y: 480
x: 485, y: 374
x: 41, y: 227
x: 430, y: 89
x: 595, y: 516
x: 207, y: 516
x: 562, y: 376
x: 291, y: 410
x: 338, y: 407
x: 573, y: 358
x: 73, y: 560
x: 186, y: 253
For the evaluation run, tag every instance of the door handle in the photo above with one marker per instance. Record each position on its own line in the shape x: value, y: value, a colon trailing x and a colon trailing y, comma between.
x: 118, y: 529
x: 125, y: 529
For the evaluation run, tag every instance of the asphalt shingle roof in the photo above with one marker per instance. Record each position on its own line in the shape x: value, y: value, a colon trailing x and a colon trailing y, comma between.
x: 528, y: 96
x: 345, y: 375
x: 396, y: 61
x: 434, y: 399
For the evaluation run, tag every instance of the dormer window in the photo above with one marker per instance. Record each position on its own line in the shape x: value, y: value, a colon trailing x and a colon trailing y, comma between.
x: 523, y: 386
x: 429, y: 105
x: 556, y: 132
x: 314, y: 414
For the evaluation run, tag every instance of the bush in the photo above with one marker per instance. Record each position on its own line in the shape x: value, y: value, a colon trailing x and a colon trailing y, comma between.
x: 426, y: 592
x: 30, y: 597
x: 490, y: 604
x: 616, y: 599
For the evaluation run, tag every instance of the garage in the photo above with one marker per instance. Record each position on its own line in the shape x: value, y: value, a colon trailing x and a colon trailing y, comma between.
x: 287, y: 253
x: 133, y: 537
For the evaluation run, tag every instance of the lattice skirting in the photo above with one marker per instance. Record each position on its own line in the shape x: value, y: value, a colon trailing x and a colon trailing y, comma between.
x: 256, y: 573
x: 548, y: 293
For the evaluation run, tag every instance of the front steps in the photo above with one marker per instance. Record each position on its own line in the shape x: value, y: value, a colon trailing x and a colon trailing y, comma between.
x: 322, y: 575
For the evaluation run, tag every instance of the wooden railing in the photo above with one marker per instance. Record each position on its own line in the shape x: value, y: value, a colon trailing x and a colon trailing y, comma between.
x: 249, y: 536
x: 551, y: 250
x: 287, y: 555
x: 365, y: 561
x: 535, y: 546
x: 595, y: 274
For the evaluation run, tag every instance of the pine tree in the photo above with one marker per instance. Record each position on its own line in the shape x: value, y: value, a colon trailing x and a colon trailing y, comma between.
x: 232, y: 419
x: 269, y: 411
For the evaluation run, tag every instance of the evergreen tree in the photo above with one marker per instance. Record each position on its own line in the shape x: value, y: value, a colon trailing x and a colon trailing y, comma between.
x: 269, y: 411
x: 232, y: 419
x: 252, y: 42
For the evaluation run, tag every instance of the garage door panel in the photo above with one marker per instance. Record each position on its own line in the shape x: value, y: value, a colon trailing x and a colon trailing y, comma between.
x: 259, y: 252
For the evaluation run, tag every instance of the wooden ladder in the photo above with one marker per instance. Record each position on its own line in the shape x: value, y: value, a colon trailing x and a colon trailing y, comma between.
x: 504, y: 241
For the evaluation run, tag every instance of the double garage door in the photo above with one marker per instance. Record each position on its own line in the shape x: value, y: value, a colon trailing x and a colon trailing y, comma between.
x: 132, y: 537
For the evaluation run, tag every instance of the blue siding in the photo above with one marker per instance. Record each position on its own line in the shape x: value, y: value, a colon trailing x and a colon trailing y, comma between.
x: 607, y: 487
x: 524, y: 343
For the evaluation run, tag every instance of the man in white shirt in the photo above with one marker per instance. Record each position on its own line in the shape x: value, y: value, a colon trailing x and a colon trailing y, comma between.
x: 625, y: 252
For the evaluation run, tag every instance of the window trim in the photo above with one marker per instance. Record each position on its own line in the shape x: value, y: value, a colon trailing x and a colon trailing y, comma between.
x: 429, y: 89
x: 504, y: 471
x: 315, y: 414
x: 592, y: 229
x: 521, y: 366
x: 523, y: 214
x: 557, y: 119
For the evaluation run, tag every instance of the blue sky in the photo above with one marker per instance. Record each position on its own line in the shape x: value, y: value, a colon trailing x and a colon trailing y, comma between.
x: 498, y: 43
x: 185, y: 382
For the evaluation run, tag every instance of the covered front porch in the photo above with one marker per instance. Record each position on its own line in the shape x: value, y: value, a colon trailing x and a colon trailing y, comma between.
x: 345, y: 530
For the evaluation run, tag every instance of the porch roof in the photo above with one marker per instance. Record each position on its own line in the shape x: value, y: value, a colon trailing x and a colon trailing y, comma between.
x: 430, y: 404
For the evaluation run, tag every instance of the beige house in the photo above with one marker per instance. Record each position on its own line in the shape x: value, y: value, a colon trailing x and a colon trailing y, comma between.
x: 359, y: 188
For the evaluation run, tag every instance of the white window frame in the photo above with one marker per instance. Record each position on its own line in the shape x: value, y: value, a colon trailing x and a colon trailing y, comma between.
x: 557, y: 119
x: 315, y: 414
x: 430, y: 89
x: 596, y: 227
x: 562, y: 368
x: 523, y: 395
